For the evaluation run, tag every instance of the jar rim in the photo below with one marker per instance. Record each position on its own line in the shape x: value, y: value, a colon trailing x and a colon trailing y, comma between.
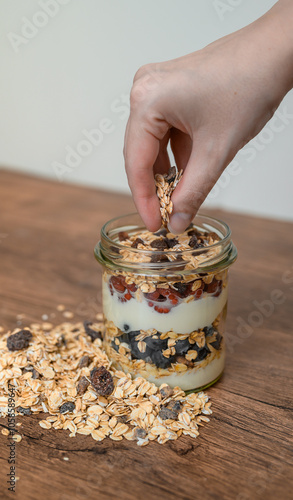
x: 224, y: 243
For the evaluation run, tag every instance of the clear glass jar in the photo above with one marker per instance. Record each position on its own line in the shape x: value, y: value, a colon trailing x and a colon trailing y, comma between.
x: 165, y: 317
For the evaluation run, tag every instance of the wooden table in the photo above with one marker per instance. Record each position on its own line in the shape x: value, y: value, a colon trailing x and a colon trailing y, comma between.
x: 47, y: 234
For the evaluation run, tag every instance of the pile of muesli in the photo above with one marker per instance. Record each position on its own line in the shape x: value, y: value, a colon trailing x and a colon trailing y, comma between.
x: 64, y: 372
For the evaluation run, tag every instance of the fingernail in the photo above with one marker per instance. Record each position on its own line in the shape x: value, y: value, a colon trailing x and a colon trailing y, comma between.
x: 179, y: 222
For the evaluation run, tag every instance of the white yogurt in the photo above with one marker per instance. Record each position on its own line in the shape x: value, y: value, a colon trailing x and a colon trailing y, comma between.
x: 183, y: 318
x: 193, y: 379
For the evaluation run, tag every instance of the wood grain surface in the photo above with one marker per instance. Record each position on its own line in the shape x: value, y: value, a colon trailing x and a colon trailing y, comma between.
x: 47, y: 234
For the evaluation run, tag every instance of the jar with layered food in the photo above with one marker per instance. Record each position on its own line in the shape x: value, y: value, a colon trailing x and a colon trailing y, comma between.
x: 165, y: 299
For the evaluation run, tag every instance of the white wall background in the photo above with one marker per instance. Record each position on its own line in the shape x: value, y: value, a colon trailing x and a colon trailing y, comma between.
x: 70, y: 71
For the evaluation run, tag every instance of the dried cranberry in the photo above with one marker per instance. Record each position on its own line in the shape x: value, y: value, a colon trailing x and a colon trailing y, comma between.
x: 94, y: 334
x: 19, y: 340
x: 159, y: 244
x: 213, y: 287
x: 102, y: 381
x: 152, y: 296
x: 82, y: 386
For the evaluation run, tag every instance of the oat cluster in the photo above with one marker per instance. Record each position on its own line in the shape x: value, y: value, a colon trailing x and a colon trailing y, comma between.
x: 165, y: 185
x: 64, y: 373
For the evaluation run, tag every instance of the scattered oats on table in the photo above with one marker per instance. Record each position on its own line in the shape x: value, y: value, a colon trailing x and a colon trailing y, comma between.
x: 90, y: 398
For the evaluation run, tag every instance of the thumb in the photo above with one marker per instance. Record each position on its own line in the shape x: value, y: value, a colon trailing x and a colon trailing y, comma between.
x: 201, y: 173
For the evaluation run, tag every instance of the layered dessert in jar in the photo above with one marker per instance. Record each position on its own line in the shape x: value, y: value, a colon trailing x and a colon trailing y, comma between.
x: 165, y: 300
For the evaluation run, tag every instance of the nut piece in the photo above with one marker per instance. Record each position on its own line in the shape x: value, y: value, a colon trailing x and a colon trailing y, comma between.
x: 102, y: 381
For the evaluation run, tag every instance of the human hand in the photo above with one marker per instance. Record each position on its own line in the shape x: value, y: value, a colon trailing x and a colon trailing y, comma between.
x: 208, y: 104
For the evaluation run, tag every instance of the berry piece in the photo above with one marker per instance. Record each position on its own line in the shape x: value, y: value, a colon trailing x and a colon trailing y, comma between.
x: 156, y: 343
x: 159, y: 244
x: 198, y: 293
x: 202, y: 353
x: 152, y: 296
x: 94, y: 334
x: 19, y: 340
x: 136, y: 353
x: 82, y: 386
x: 117, y: 283
x: 162, y: 310
x: 102, y: 381
x: 128, y: 296
x: 67, y: 407
x: 131, y: 287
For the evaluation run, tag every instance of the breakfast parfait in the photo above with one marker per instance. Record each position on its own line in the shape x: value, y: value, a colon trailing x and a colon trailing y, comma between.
x: 165, y: 299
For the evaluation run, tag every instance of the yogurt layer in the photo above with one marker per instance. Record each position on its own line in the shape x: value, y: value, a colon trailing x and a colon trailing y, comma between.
x: 183, y: 318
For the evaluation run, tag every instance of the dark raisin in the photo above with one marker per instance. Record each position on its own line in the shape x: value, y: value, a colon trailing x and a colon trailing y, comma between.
x: 159, y: 244
x: 102, y: 381
x: 156, y: 343
x: 23, y: 411
x: 122, y: 419
x: 174, y: 405
x: 162, y: 232
x: 159, y: 258
x: 136, y: 353
x: 136, y: 242
x: 82, y: 386
x: 31, y: 369
x: 171, y: 242
x: 84, y: 361
x: 19, y: 340
x: 67, y: 407
x: 123, y: 235
x: 202, y: 353
x: 160, y: 361
x: 170, y: 177
x: 182, y: 288
x: 166, y: 391
x: 193, y: 241
x: 94, y: 334
x: 166, y: 414
x: 139, y: 433
x: 182, y: 346
x: 193, y: 232
x: 208, y: 330
x: 214, y: 287
x: 217, y: 343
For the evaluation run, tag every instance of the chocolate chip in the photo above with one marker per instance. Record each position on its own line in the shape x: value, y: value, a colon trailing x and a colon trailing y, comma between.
x: 102, y: 381
x: 159, y: 244
x: 84, y: 361
x: 67, y: 407
x: 82, y: 386
x: 94, y: 334
x: 19, y: 340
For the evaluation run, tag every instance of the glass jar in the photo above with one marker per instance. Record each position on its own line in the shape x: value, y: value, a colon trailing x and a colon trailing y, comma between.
x: 165, y: 316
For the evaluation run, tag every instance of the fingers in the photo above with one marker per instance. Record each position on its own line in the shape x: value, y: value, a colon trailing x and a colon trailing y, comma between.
x: 140, y: 151
x: 200, y: 175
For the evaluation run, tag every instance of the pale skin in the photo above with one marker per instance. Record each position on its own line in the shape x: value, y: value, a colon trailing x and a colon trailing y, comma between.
x: 208, y: 104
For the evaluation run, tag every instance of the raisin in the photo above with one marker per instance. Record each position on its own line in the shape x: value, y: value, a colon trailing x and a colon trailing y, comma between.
x: 182, y: 346
x: 202, y: 353
x: 159, y: 258
x: 82, y: 386
x: 160, y: 361
x: 123, y: 235
x: 122, y: 419
x: 139, y: 433
x: 94, y: 334
x: 102, y: 381
x: 208, y: 330
x: 159, y: 244
x: 31, y: 369
x: 19, y: 340
x: 166, y: 391
x: 170, y: 177
x: 167, y: 413
x: 156, y: 343
x: 193, y: 242
x: 84, y: 361
x: 174, y: 406
x: 162, y: 232
x: 171, y: 242
x: 24, y: 411
x: 193, y: 232
x: 67, y: 407
x: 137, y: 241
x: 182, y: 288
